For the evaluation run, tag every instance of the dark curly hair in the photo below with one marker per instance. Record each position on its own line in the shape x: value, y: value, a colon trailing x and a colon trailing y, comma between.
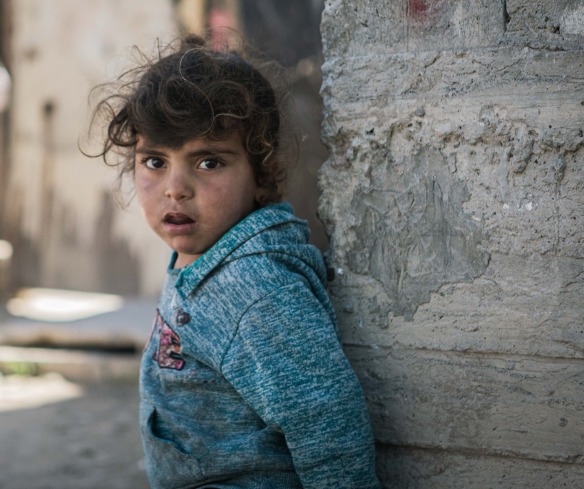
x: 196, y: 91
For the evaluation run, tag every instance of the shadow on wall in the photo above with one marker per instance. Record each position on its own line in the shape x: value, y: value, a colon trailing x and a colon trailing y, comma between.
x: 118, y: 270
x: 108, y: 265
x: 289, y: 32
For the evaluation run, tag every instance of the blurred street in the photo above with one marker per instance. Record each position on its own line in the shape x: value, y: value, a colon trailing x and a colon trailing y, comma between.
x: 88, y: 442
x: 69, y: 401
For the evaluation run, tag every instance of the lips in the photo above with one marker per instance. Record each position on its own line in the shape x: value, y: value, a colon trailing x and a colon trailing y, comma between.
x: 177, y: 222
x: 177, y: 218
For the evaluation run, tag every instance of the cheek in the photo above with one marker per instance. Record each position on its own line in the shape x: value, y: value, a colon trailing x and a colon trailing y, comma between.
x: 239, y: 194
x: 143, y: 186
x: 146, y: 195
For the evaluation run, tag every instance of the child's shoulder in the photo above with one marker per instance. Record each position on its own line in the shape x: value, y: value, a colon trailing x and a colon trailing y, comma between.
x: 254, y: 276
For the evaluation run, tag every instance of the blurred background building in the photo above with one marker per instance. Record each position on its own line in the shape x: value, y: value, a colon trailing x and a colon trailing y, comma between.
x: 56, y: 205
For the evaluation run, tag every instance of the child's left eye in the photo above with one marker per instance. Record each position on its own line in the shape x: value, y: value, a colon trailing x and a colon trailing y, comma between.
x: 209, y: 164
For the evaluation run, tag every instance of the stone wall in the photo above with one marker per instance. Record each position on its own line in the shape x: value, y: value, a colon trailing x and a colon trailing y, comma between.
x: 454, y: 200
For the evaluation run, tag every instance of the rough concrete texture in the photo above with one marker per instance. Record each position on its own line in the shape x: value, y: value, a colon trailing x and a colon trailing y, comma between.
x: 454, y: 197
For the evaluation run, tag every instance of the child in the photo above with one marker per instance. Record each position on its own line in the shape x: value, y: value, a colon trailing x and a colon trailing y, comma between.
x: 244, y: 383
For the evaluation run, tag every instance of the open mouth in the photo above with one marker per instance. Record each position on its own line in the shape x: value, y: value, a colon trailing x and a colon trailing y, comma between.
x: 177, y: 219
x: 178, y: 223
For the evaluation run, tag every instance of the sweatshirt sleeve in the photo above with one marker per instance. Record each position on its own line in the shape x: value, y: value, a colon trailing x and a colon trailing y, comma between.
x: 287, y: 363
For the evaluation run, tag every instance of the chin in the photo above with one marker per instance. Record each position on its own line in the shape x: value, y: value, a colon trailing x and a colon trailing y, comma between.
x: 189, y: 252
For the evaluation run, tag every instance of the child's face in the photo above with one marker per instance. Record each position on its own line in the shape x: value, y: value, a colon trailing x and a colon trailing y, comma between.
x: 192, y: 195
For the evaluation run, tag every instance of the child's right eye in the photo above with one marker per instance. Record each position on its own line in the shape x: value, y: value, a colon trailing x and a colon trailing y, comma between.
x: 153, y: 163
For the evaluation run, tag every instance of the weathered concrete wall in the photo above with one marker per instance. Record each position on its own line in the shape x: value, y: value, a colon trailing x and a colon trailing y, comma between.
x: 454, y: 197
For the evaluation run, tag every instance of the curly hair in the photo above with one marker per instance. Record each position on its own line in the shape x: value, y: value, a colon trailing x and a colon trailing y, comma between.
x: 196, y: 91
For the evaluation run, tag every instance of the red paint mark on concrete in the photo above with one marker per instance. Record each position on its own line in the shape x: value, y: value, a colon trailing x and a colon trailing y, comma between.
x: 424, y: 11
x: 417, y: 8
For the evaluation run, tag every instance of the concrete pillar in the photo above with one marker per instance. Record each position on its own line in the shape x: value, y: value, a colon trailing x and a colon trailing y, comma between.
x: 454, y: 199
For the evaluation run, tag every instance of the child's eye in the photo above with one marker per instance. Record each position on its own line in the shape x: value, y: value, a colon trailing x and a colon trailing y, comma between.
x: 153, y: 163
x: 209, y: 164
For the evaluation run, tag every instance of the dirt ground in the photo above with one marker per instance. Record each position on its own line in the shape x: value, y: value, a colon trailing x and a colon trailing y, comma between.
x: 60, y: 434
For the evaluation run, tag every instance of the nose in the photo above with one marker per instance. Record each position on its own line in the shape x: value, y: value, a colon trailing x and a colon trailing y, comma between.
x: 178, y: 185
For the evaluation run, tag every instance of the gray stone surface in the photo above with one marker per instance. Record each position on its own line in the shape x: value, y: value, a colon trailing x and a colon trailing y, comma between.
x: 454, y: 197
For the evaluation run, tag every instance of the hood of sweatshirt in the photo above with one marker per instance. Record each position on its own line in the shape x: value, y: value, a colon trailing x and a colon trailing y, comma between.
x: 273, y: 230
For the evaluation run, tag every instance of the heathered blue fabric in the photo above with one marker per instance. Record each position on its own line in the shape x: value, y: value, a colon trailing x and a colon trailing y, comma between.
x: 244, y: 383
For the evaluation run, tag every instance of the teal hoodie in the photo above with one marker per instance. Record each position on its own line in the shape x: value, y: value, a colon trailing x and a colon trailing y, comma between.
x: 244, y: 383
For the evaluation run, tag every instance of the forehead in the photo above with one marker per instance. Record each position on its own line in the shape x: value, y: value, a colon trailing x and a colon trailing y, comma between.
x: 233, y: 143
